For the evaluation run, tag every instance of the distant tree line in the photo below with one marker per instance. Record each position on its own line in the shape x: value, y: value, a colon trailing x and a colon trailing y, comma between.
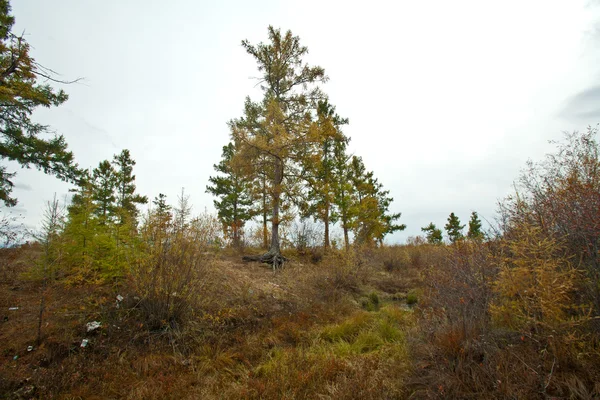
x: 454, y: 230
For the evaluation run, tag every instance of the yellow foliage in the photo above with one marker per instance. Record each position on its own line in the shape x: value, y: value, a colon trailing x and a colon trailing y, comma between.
x: 535, y: 282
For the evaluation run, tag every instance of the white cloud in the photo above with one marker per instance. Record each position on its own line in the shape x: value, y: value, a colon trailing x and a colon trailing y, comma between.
x: 446, y: 100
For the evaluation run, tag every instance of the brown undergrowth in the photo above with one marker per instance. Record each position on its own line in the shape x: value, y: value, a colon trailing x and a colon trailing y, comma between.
x: 500, y: 320
x: 331, y: 329
x: 415, y: 321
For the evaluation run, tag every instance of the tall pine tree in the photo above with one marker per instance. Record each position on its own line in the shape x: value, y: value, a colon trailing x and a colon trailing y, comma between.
x: 454, y: 228
x: 105, y: 182
x: 162, y: 209
x: 274, y: 131
x: 126, y: 198
x: 319, y: 169
x: 433, y: 234
x: 343, y: 189
x: 371, y: 207
x: 82, y: 224
x: 475, y: 232
x: 20, y: 95
x: 234, y: 206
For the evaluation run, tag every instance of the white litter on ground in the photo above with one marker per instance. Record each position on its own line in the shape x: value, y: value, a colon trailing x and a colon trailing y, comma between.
x: 92, y: 326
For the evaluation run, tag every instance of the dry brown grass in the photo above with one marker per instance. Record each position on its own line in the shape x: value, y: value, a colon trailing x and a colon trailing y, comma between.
x: 308, y: 331
x: 245, y: 313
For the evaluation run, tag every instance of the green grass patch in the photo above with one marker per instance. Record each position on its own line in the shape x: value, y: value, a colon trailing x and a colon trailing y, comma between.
x: 368, y: 346
x: 412, y: 297
x: 347, y: 330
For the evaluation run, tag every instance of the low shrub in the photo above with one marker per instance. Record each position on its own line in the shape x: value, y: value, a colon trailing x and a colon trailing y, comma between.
x: 412, y: 297
x: 168, y: 276
x: 371, y: 302
x: 395, y: 258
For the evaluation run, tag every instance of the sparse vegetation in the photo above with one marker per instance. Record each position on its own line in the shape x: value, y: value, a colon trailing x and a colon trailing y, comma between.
x: 194, y: 322
x: 113, y: 302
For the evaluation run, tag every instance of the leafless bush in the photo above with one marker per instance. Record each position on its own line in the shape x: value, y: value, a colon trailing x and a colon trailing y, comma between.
x: 169, y: 269
x: 12, y: 230
x: 525, y: 283
x: 254, y: 236
x: 395, y: 258
x: 337, y: 274
x: 205, y: 229
x: 460, y: 290
x: 305, y: 234
x: 561, y: 196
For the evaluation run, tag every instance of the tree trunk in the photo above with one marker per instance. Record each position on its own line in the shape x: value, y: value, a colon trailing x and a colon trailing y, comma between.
x: 236, y: 228
x: 265, y: 232
x: 264, y: 209
x: 327, y: 205
x: 85, y: 231
x: 273, y: 256
x: 346, y: 239
x: 276, y: 198
x: 326, y: 222
x: 236, y: 235
x: 344, y: 218
x: 275, y: 226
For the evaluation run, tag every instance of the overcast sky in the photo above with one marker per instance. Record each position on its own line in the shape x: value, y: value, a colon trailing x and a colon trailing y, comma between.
x: 446, y: 99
